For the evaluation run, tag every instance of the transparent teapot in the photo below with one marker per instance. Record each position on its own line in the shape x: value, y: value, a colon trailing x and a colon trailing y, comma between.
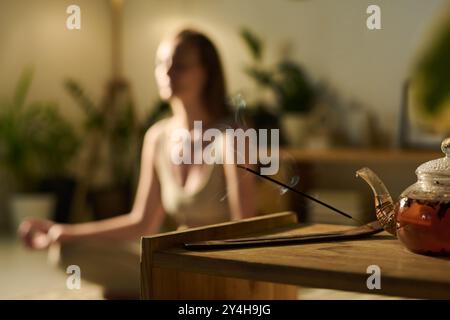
x: 421, y: 217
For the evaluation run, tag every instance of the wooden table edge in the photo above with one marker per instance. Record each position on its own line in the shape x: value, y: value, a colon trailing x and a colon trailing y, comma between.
x: 150, y: 244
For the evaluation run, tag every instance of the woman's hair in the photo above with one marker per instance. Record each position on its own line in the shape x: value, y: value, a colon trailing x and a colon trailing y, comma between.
x: 214, y: 92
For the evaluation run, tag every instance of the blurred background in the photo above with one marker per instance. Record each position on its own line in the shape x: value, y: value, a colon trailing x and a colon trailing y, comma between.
x: 74, y: 104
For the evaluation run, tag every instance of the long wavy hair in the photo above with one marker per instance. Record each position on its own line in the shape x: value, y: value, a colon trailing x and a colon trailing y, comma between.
x: 214, y: 92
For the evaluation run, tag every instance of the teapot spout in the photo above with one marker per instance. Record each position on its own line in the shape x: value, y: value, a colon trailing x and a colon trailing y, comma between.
x: 384, y: 206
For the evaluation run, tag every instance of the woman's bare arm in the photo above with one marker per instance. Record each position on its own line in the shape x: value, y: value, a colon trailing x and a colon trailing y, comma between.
x: 146, y: 215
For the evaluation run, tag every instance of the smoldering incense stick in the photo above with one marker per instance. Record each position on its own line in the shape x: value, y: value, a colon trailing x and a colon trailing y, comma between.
x: 301, y: 193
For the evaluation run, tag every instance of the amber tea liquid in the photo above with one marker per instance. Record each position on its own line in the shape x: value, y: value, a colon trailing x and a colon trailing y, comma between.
x: 424, y: 225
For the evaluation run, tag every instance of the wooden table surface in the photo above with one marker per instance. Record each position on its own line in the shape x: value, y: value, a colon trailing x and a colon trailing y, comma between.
x: 338, y: 265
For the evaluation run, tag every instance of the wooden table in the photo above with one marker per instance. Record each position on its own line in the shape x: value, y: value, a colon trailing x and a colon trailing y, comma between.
x: 168, y: 271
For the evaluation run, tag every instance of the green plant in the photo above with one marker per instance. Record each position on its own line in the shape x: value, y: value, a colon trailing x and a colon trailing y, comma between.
x: 431, y: 81
x: 434, y: 69
x: 112, y: 123
x: 286, y: 79
x: 115, y: 124
x: 36, y: 142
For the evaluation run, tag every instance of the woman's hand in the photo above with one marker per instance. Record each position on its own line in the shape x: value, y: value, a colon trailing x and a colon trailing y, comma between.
x: 35, y: 233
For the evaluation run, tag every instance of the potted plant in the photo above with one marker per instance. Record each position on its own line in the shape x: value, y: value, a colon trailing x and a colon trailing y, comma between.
x: 113, y: 140
x: 36, y: 146
x: 430, y: 83
x: 110, y: 131
x: 288, y: 83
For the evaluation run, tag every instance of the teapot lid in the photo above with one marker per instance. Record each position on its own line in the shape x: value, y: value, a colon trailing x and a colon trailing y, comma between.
x: 438, y: 167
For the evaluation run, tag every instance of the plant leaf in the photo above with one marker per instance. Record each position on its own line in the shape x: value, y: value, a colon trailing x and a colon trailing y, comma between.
x: 22, y: 88
x: 253, y: 43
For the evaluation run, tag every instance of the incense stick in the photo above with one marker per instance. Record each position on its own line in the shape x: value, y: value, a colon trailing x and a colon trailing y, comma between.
x: 301, y: 193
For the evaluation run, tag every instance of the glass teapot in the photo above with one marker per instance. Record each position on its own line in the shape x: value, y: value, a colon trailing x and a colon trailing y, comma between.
x: 421, y: 217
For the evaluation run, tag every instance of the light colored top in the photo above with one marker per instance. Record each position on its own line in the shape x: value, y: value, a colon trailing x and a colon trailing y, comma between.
x: 206, y: 205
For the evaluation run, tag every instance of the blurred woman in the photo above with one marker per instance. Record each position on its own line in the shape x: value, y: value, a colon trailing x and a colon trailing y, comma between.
x: 189, y: 75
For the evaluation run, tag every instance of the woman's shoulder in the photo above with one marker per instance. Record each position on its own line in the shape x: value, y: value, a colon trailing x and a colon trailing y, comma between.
x: 155, y: 131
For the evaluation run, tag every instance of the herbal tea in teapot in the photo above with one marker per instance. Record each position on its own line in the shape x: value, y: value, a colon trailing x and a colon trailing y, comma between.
x: 424, y: 225
x: 421, y: 217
